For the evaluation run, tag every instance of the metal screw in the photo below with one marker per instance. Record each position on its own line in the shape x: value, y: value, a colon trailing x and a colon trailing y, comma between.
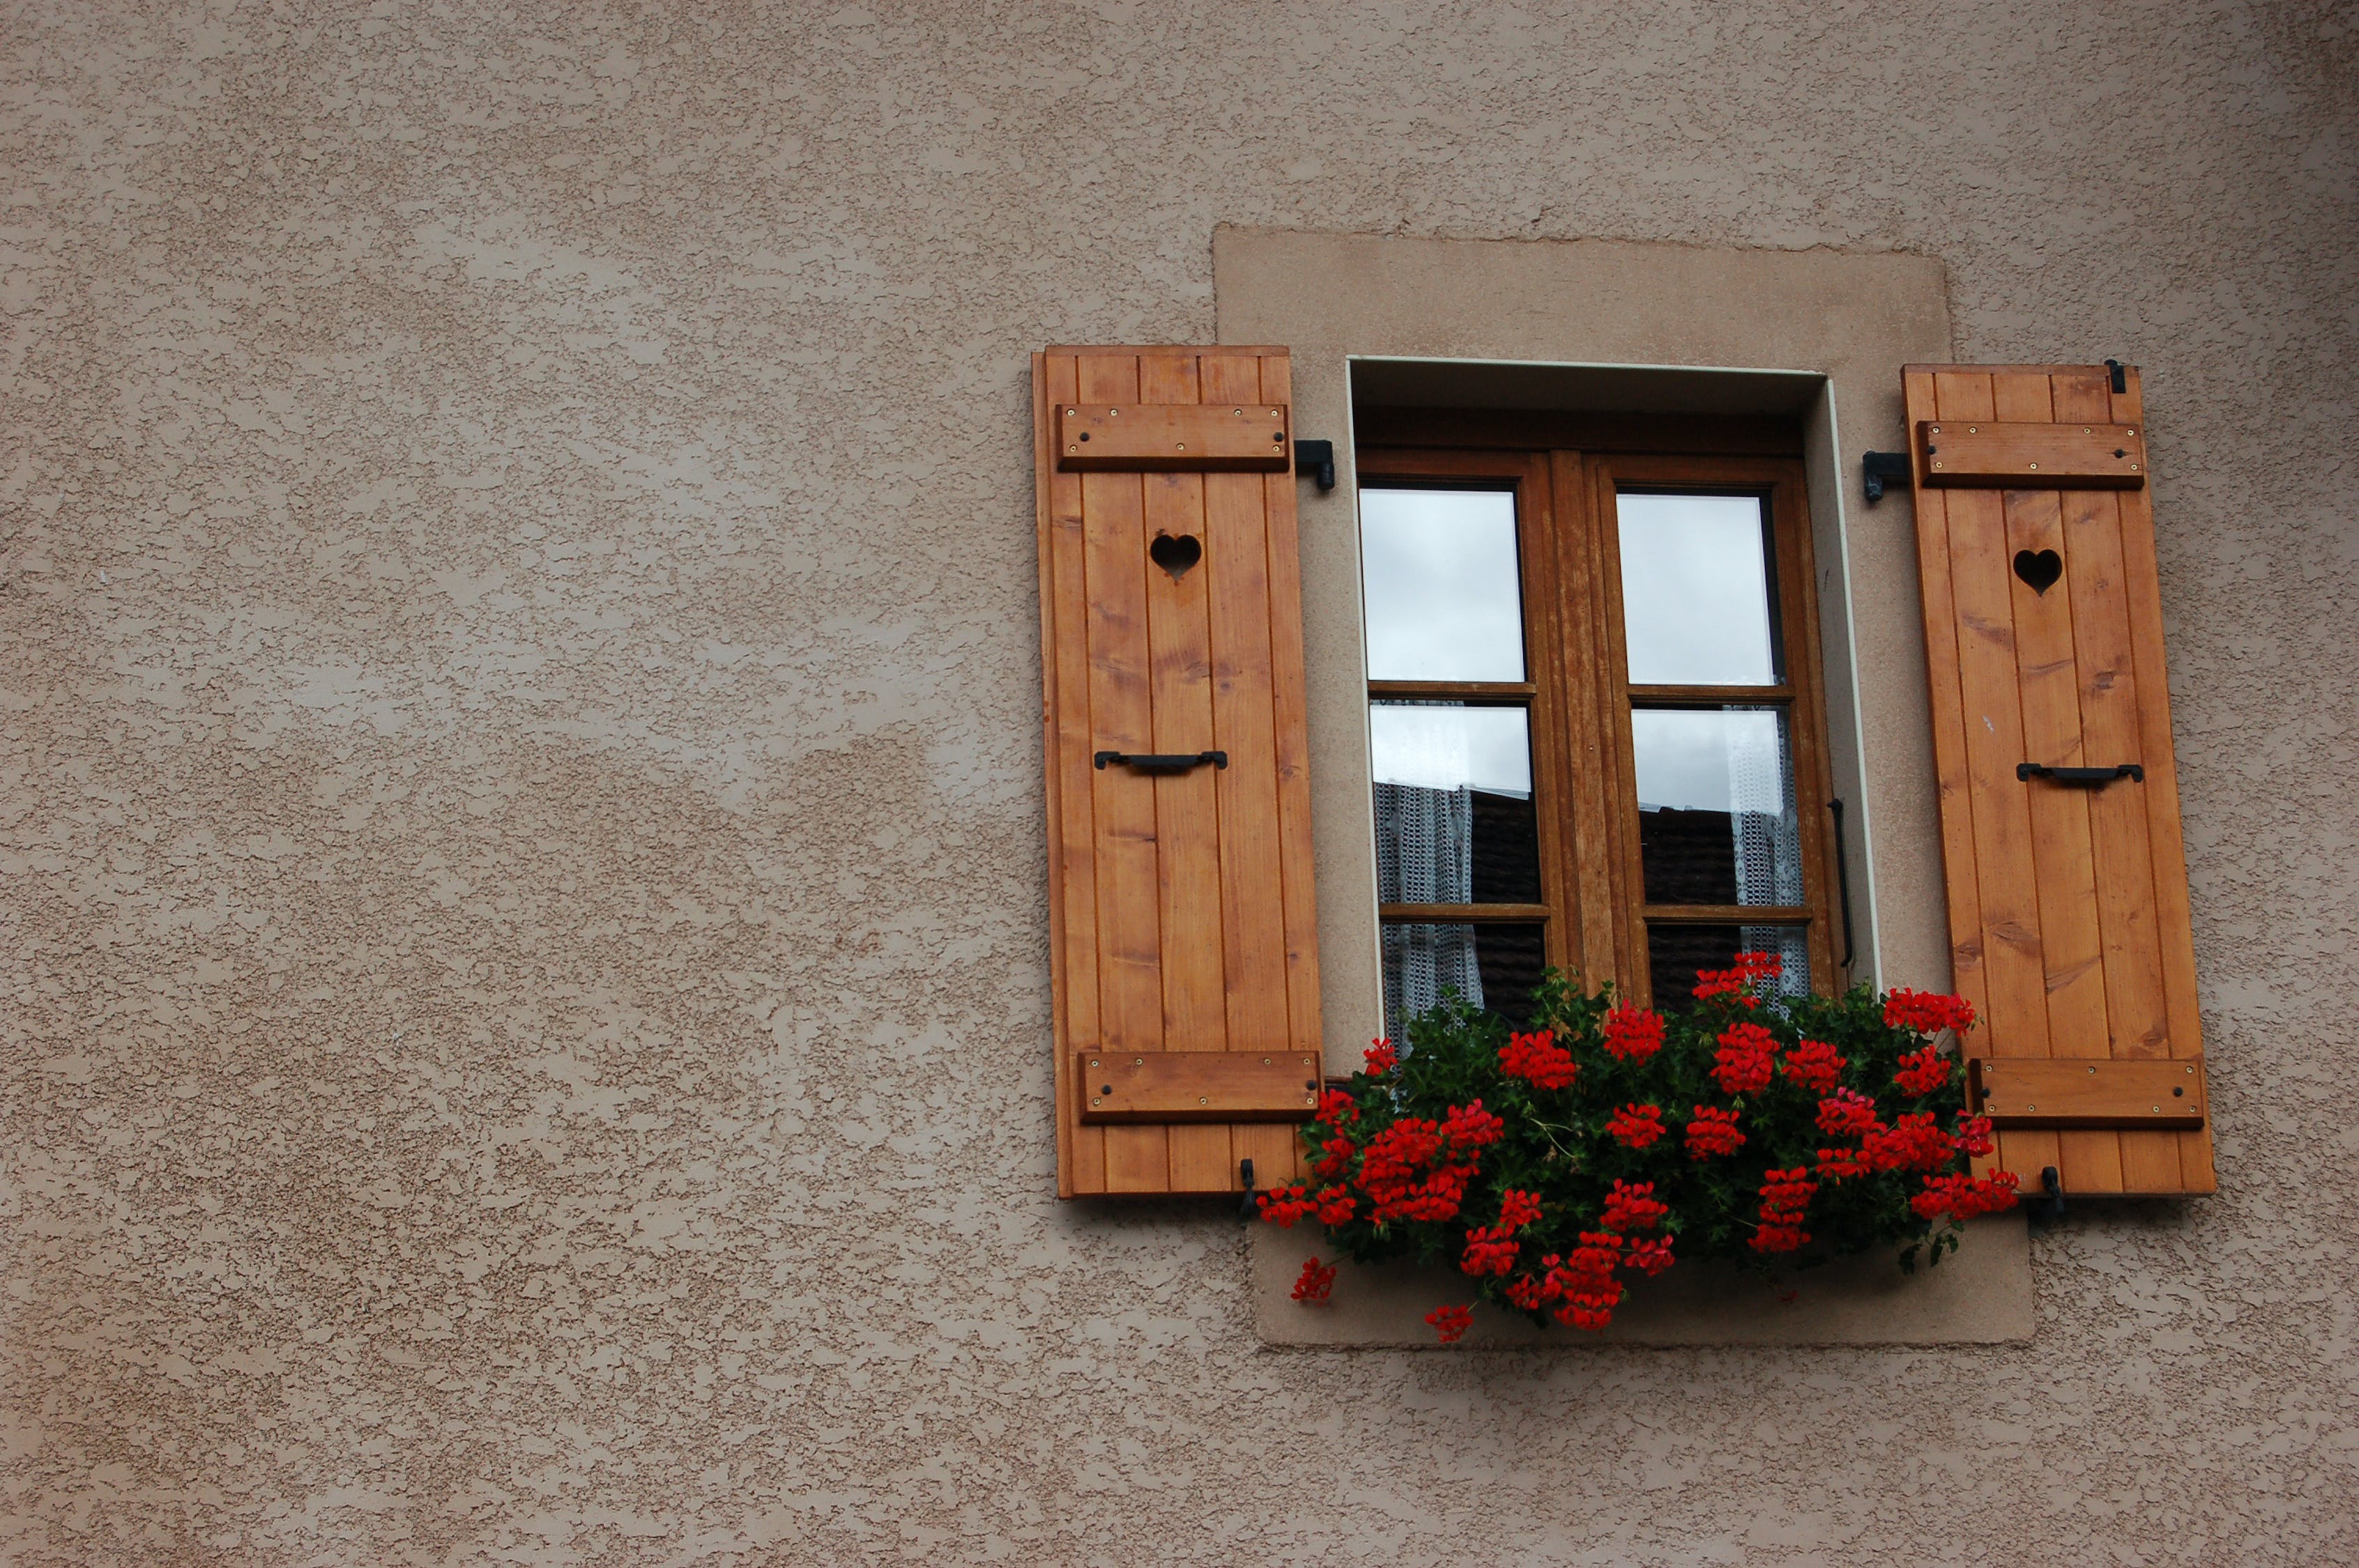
x: 1311, y: 1103
x: 1264, y: 1061
x: 1937, y: 429
x: 2034, y: 466
x: 2157, y: 1108
x: 1072, y: 449
x: 1093, y: 1061
x: 1114, y: 413
x: 1182, y: 445
x: 1205, y: 1099
x: 1073, y: 412
x: 1238, y: 412
x: 1138, y: 1061
x: 1275, y: 414
x: 1097, y: 1102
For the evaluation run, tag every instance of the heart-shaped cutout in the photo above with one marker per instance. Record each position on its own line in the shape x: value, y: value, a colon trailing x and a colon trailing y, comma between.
x: 1175, y: 553
x: 2041, y: 569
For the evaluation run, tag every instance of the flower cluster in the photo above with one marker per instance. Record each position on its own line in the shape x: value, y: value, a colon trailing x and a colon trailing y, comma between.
x: 1318, y: 1282
x: 1632, y: 1034
x: 1746, y: 1058
x: 1927, y: 1012
x: 1814, y: 1065
x: 1538, y: 1060
x: 1785, y: 1203
x: 1966, y: 1197
x: 1740, y: 983
x: 1759, y: 1124
x: 1711, y: 1132
x: 1922, y: 1072
x: 1635, y: 1126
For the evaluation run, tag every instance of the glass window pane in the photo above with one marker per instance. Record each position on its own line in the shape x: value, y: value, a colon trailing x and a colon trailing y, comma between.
x: 1494, y: 966
x: 1695, y: 589
x: 1677, y: 954
x: 1453, y: 796
x: 1444, y: 601
x: 1716, y: 814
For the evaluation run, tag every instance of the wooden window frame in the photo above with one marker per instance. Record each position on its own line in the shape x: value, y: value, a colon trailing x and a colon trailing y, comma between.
x: 1577, y: 689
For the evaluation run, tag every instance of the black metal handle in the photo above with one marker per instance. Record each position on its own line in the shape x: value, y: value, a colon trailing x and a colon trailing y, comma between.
x: 1162, y: 762
x: 2084, y: 778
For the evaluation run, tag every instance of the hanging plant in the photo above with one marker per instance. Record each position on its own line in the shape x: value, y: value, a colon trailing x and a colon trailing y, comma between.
x: 1548, y: 1166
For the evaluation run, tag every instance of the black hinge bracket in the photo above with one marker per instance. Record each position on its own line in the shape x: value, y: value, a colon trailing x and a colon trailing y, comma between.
x: 2118, y: 371
x: 1246, y: 1210
x: 2048, y: 1205
x: 1316, y: 459
x: 2084, y: 778
x: 1880, y: 469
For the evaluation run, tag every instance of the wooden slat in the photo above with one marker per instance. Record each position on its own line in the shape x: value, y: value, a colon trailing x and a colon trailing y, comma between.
x: 1947, y: 706
x: 2108, y: 679
x: 1122, y: 719
x: 2067, y: 1094
x: 1181, y: 1086
x: 1171, y: 435
x: 2017, y: 454
x: 2174, y: 918
x: 1186, y: 815
x: 2064, y: 873
x: 1292, y: 732
x: 1072, y: 879
x: 1981, y: 587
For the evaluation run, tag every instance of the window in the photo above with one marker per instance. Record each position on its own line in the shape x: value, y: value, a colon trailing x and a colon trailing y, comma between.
x: 1593, y: 716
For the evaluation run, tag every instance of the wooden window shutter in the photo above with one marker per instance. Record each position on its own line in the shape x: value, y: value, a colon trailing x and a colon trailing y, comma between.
x: 2066, y: 877
x: 1185, y: 966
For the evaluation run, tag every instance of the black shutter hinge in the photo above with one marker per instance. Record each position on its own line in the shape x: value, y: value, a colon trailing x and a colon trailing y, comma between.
x: 1316, y: 459
x: 2118, y: 369
x: 1879, y: 469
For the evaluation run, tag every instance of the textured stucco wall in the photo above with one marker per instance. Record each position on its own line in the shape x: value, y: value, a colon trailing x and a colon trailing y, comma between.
x: 526, y: 1032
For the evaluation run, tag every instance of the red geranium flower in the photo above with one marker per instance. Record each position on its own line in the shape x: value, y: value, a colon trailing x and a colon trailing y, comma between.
x: 1913, y: 1143
x: 1927, y: 1012
x: 1922, y: 1072
x: 1450, y: 1323
x: 1635, y: 1126
x: 1633, y: 1208
x: 1847, y: 1113
x: 1538, y: 1060
x: 1814, y: 1065
x: 1745, y: 1059
x: 1381, y: 1057
x: 1489, y: 1250
x: 1517, y: 1209
x: 1712, y: 1131
x: 1650, y: 1255
x: 1317, y: 1282
x: 1632, y: 1034
x: 1966, y: 1197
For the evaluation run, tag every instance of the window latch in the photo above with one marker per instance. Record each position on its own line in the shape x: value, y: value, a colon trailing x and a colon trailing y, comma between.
x: 1162, y: 762
x: 2083, y: 778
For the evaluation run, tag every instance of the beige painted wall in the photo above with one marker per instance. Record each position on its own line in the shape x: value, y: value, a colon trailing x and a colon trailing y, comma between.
x: 524, y: 1034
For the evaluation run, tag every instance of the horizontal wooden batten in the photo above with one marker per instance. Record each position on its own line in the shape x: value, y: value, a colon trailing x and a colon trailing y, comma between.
x: 1729, y: 914
x: 2064, y: 1092
x: 1462, y: 914
x: 1988, y: 452
x: 1198, y: 1086
x: 1709, y: 696
x: 1492, y: 693
x: 1172, y: 437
